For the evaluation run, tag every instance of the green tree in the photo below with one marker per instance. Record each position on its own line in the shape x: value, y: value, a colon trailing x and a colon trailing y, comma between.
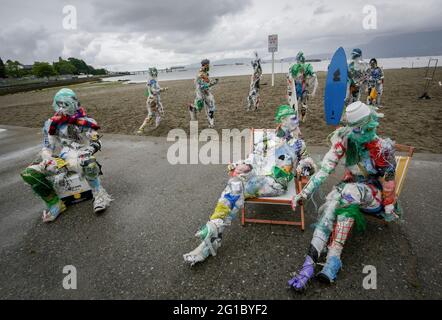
x: 13, y: 68
x: 80, y: 65
x: 43, y: 69
x: 2, y: 69
x: 64, y: 67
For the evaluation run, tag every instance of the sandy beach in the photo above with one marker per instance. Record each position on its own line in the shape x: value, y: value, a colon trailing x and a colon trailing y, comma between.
x: 120, y: 108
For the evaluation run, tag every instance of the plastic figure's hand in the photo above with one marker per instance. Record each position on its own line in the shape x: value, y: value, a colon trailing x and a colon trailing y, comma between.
x: 230, y: 168
x: 297, y: 200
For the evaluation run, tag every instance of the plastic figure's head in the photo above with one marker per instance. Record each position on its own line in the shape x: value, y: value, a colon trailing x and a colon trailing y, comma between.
x: 363, y: 121
x: 356, y: 53
x: 288, y: 119
x: 205, y: 64
x: 153, y: 72
x: 66, y: 102
x: 300, y: 57
x: 373, y: 63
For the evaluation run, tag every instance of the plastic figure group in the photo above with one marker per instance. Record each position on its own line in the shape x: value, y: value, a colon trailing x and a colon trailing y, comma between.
x: 154, y: 106
x: 70, y: 140
x: 253, y: 97
x: 367, y: 187
x: 360, y: 75
x: 203, y: 96
x: 302, y: 82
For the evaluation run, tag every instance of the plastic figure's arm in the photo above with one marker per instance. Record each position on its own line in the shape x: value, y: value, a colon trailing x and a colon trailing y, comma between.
x: 328, y: 164
x: 306, y: 165
x: 49, y: 142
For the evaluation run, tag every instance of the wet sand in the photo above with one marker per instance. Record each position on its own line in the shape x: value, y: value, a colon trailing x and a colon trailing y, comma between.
x: 120, y: 108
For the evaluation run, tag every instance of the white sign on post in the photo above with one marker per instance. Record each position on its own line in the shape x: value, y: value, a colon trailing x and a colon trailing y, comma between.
x: 273, y: 47
x: 273, y: 43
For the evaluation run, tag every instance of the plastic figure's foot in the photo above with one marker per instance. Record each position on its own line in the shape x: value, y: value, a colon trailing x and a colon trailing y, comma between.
x: 211, y: 236
x: 330, y: 270
x: 102, y: 200
x: 54, y: 211
x: 300, y: 280
x: 140, y: 131
x: 211, y: 122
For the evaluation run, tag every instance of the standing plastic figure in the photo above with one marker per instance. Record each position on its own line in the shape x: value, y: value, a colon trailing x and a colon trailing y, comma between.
x: 70, y: 140
x: 375, y: 83
x: 266, y: 172
x: 357, y: 76
x: 253, y: 97
x: 204, y: 98
x: 153, y: 102
x: 300, y: 80
x: 368, y: 186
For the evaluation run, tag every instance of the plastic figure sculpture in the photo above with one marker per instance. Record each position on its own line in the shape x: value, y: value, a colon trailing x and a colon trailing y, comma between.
x: 154, y: 106
x: 266, y: 172
x: 204, y: 98
x: 70, y: 140
x: 253, y: 97
x: 368, y: 186
x: 375, y: 83
x: 357, y: 76
x: 302, y: 82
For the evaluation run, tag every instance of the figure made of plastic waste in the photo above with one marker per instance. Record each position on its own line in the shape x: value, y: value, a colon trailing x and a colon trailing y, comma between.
x: 302, y: 82
x: 367, y: 187
x: 275, y: 160
x: 153, y: 103
x: 203, y: 97
x: 357, y: 76
x: 70, y: 140
x: 375, y: 83
x: 253, y: 97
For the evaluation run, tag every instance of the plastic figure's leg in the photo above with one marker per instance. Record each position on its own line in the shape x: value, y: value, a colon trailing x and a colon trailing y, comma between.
x: 36, y: 178
x: 91, y: 171
x: 321, y: 234
x: 228, y: 206
x: 148, y: 118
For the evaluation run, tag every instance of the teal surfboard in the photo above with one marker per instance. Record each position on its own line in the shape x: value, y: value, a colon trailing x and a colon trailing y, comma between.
x: 336, y: 88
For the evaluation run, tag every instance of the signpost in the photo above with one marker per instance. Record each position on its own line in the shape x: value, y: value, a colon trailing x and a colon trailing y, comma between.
x: 273, y: 47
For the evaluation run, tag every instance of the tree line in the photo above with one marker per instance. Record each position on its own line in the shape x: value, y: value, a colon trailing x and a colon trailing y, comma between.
x: 71, y: 66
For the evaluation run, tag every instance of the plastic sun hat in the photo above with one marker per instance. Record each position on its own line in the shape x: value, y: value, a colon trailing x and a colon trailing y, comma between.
x: 357, y: 111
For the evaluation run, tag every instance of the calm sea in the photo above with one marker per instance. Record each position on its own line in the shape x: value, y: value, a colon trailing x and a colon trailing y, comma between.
x: 246, y: 69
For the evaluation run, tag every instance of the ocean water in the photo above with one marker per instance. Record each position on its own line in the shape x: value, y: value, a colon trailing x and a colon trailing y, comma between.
x: 238, y: 70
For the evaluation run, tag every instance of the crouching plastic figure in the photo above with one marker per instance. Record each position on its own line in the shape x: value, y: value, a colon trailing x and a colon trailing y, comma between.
x: 368, y: 186
x: 70, y: 140
x: 266, y: 172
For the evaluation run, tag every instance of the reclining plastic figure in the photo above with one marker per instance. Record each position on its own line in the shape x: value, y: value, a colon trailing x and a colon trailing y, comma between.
x: 375, y: 83
x: 204, y: 98
x: 153, y: 102
x: 368, y: 186
x: 253, y: 97
x: 357, y: 76
x: 300, y: 80
x: 266, y: 172
x: 70, y: 141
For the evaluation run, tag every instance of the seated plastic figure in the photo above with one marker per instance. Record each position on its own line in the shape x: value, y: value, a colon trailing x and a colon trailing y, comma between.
x: 368, y: 187
x: 70, y: 140
x: 266, y: 172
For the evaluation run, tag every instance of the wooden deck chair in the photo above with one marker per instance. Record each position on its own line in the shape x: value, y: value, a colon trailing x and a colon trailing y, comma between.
x: 294, y: 187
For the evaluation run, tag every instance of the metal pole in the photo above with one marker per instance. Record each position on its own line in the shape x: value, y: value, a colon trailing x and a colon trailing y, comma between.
x: 273, y: 69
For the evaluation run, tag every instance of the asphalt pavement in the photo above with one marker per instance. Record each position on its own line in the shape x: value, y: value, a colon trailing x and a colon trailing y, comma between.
x: 134, y: 249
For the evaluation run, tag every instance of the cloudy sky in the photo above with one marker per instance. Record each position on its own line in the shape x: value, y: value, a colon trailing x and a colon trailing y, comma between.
x: 133, y: 34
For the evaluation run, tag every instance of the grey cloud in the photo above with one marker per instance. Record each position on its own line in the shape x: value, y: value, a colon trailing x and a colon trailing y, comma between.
x: 189, y: 16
